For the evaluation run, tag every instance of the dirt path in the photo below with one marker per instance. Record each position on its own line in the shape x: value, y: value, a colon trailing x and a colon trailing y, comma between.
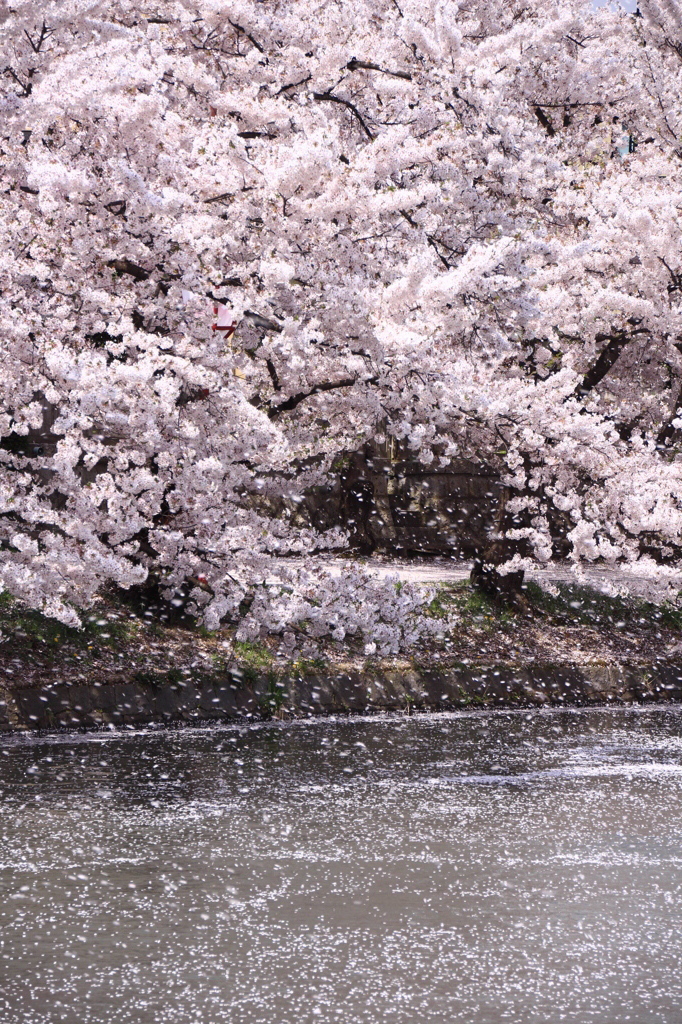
x: 611, y: 581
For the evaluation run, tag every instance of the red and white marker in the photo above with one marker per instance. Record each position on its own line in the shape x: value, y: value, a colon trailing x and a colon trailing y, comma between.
x: 221, y: 324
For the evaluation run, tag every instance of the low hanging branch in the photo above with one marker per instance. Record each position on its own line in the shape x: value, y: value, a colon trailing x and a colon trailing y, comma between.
x: 354, y: 277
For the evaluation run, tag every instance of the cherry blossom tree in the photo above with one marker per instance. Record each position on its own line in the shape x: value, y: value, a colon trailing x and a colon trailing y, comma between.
x: 239, y: 238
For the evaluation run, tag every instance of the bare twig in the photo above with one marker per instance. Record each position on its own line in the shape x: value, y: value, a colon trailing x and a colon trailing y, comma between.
x: 44, y: 33
x: 240, y: 28
x: 675, y: 279
x: 220, y: 198
x: 26, y: 87
x: 293, y: 85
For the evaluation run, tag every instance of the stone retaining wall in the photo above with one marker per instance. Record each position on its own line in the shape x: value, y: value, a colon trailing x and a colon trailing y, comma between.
x: 344, y: 688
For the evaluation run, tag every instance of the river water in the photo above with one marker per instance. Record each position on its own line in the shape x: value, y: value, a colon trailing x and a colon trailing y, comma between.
x: 475, y: 867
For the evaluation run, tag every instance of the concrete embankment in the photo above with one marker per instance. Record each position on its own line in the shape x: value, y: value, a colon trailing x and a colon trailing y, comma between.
x: 350, y: 688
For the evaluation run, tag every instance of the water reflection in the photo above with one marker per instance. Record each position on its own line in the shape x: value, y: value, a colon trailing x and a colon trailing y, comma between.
x: 473, y: 867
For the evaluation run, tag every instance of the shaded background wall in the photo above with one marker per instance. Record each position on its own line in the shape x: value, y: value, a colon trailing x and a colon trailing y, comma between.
x: 392, y: 503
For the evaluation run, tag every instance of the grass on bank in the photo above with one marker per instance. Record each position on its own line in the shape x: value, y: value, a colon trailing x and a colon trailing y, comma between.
x: 114, y: 629
x: 578, y: 605
x: 572, y: 605
x: 107, y: 625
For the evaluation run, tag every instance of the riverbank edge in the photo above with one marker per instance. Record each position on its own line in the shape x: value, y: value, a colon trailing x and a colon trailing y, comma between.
x: 349, y: 687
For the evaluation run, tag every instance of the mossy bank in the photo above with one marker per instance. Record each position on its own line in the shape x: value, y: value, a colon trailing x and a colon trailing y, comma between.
x: 124, y: 668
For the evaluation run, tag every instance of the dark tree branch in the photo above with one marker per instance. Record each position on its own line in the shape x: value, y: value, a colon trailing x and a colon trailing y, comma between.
x: 230, y: 282
x: 675, y: 279
x: 126, y: 266
x: 220, y: 198
x: 328, y: 97
x: 26, y: 87
x: 293, y: 85
x: 262, y: 321
x: 458, y: 96
x: 239, y: 28
x: 256, y: 135
x: 607, y: 357
x: 295, y: 400
x: 582, y: 103
x: 668, y: 432
x: 192, y: 394
x: 44, y: 33
x: 432, y: 240
x: 544, y: 121
x: 363, y: 65
x: 273, y: 375
x: 433, y: 243
x: 117, y: 207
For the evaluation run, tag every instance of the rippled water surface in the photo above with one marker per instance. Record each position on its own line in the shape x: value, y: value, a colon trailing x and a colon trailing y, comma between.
x: 481, y: 868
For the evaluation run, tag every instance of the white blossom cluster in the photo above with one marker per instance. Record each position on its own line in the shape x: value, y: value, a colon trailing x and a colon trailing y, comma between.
x: 367, y: 615
x: 240, y: 237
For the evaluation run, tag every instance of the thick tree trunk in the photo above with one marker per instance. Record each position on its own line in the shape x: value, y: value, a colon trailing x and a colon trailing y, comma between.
x: 506, y: 588
x: 359, y: 501
x: 485, y: 575
x: 503, y: 588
